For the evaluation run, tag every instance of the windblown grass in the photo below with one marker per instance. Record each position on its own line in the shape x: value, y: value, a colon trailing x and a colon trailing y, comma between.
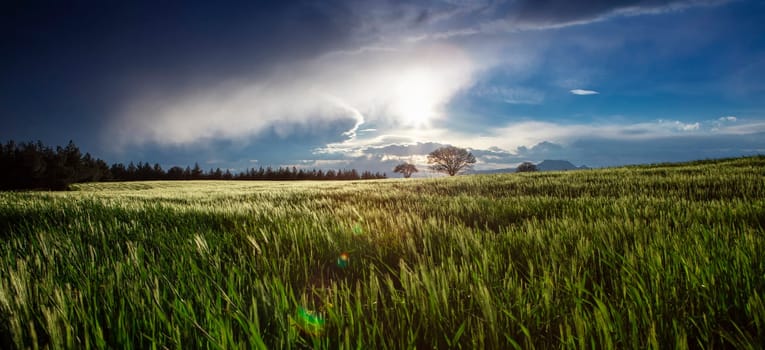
x: 671, y: 255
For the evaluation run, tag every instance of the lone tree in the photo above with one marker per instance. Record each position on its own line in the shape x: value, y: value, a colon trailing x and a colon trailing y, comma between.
x: 450, y: 160
x: 526, y: 167
x: 405, y: 169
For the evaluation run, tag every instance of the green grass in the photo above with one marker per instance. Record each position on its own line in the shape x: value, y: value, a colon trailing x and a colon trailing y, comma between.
x: 671, y: 255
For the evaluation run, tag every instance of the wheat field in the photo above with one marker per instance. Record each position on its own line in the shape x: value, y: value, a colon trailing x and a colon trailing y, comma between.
x: 661, y: 256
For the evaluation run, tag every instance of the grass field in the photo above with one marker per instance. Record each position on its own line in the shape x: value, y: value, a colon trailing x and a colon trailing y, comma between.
x: 669, y: 256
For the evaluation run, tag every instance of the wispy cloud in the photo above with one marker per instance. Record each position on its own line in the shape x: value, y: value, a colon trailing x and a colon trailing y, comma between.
x: 562, y: 13
x: 533, y: 15
x: 510, y: 95
x: 728, y: 118
x: 583, y: 92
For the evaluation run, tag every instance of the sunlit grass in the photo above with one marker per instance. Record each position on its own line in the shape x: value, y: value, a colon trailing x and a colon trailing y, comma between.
x: 634, y: 257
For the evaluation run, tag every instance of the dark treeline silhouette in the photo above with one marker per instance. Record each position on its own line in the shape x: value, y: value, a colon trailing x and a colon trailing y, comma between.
x: 145, y: 171
x: 35, y: 166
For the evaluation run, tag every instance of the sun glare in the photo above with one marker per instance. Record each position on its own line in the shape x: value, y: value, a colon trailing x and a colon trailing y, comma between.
x: 416, y: 99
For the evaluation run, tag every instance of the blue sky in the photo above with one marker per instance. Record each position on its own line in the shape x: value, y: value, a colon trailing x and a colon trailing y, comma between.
x: 369, y: 84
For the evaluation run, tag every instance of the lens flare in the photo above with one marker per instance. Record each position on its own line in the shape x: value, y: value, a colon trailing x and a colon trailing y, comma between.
x: 309, y: 322
x: 342, y: 261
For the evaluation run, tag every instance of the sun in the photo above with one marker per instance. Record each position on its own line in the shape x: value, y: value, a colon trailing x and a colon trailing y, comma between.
x: 415, y: 98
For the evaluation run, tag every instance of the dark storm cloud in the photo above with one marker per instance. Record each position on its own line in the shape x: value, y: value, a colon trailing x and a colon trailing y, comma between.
x: 93, y: 52
x: 166, y: 40
x: 73, y: 64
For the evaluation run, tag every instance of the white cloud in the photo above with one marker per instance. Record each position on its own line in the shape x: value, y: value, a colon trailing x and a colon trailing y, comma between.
x: 688, y: 127
x: 729, y: 118
x: 403, y: 88
x: 583, y: 92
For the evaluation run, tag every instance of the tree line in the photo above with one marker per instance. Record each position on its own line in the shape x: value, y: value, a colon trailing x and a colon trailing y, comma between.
x: 33, y: 165
x: 145, y: 171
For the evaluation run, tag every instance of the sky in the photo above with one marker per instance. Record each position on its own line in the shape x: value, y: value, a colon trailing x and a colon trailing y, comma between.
x: 370, y: 84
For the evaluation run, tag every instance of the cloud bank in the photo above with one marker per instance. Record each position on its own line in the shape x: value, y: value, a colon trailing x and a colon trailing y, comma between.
x: 594, y: 145
x: 406, y: 87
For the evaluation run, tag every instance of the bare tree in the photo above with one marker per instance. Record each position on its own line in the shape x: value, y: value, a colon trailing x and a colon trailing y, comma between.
x: 526, y: 167
x: 451, y: 160
x: 405, y: 169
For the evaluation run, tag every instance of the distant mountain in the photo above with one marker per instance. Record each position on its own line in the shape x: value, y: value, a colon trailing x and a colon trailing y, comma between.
x: 557, y: 165
x: 545, y: 165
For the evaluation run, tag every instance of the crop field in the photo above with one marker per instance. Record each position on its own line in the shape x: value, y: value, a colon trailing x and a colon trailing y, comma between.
x: 663, y: 256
